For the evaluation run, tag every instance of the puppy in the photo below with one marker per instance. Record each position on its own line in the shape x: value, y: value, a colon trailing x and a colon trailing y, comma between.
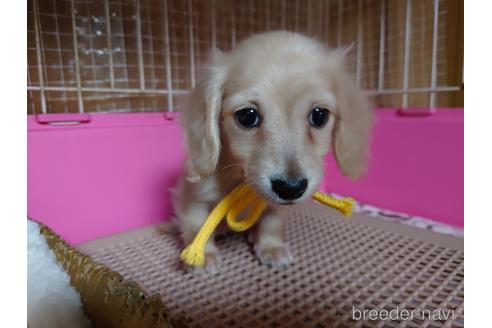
x: 267, y: 113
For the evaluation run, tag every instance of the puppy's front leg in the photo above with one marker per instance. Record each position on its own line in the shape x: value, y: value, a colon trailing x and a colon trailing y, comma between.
x: 191, y: 221
x: 268, y: 244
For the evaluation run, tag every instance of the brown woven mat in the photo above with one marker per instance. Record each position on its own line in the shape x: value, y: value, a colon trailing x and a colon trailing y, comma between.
x: 107, y: 298
x: 343, y: 267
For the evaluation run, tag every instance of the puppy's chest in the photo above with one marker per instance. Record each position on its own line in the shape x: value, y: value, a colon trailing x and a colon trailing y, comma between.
x: 215, y: 188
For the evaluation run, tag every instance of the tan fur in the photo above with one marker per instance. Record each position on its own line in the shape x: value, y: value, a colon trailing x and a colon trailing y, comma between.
x: 284, y: 75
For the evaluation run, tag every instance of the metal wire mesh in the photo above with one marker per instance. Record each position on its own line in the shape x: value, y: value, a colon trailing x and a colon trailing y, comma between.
x: 140, y: 55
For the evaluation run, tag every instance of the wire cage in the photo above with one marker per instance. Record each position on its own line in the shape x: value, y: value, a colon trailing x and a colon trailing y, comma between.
x: 141, y: 55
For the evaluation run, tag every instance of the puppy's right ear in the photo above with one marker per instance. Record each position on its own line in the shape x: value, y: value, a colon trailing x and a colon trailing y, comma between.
x: 201, y: 115
x: 353, y: 127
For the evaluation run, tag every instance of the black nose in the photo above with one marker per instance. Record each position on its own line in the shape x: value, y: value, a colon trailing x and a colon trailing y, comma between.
x: 289, y: 189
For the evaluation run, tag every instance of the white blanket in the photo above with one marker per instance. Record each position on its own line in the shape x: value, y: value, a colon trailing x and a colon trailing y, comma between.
x: 51, y: 300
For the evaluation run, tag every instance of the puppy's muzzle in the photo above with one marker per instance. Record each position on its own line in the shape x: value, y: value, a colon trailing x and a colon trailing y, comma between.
x: 289, y: 189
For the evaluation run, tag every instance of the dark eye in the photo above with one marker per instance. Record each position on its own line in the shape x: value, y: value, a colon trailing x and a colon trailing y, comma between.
x: 318, y: 117
x: 248, y: 117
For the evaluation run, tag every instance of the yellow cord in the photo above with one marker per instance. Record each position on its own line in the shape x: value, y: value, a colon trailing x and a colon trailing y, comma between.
x: 343, y: 205
x: 231, y: 206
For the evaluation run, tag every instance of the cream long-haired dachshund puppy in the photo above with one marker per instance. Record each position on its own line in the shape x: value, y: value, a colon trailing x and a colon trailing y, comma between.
x: 267, y: 113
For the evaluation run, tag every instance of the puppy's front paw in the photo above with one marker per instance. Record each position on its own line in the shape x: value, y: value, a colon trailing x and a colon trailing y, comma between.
x: 274, y: 256
x: 212, y: 263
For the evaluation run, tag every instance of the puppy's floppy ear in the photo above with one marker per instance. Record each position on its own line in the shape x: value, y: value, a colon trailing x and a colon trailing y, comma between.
x: 353, y: 125
x: 200, y: 117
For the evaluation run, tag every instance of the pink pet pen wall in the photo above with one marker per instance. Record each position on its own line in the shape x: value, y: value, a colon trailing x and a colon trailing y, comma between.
x: 112, y: 172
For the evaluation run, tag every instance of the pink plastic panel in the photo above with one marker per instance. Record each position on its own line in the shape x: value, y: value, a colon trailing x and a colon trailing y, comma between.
x: 417, y: 166
x: 99, y: 178
x: 112, y: 172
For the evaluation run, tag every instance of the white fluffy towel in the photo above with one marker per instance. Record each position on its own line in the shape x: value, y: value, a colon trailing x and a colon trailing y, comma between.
x: 51, y: 300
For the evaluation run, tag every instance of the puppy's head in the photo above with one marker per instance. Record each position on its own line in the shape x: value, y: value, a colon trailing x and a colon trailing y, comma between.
x: 274, y: 106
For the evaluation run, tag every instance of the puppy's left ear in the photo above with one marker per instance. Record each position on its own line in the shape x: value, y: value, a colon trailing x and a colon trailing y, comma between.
x: 353, y: 125
x: 201, y: 117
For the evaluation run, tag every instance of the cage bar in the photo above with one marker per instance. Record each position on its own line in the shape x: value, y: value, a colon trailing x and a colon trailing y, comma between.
x: 151, y: 49
x: 29, y: 82
x: 358, y: 71
x: 92, y: 52
x: 191, y: 44
x: 408, y: 45
x: 58, y: 44
x: 382, y: 43
x: 167, y: 58
x: 109, y: 43
x: 412, y: 90
x: 141, y: 72
x: 108, y: 90
x: 39, y: 57
x: 80, y: 100
x: 186, y: 91
x: 435, y: 36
